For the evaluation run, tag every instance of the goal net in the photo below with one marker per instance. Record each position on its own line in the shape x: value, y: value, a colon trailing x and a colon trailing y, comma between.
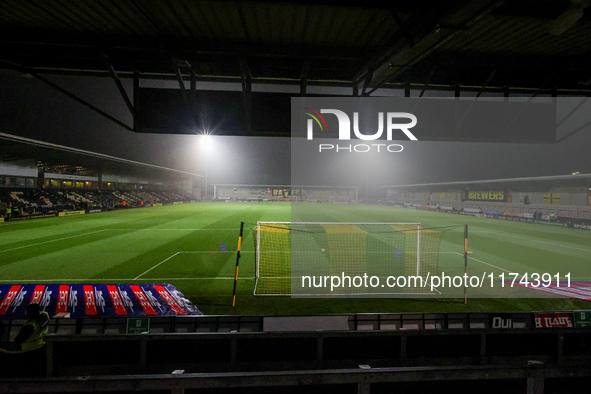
x: 293, y: 258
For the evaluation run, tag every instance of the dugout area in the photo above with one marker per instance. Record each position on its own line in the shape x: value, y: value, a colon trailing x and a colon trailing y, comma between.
x: 310, y: 361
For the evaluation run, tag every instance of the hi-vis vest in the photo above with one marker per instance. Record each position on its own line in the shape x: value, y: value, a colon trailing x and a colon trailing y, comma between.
x: 37, y: 338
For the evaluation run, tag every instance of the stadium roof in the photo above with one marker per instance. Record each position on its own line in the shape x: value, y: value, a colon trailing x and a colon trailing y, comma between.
x: 416, y: 47
x: 472, y: 44
x: 539, y: 183
x: 13, y: 148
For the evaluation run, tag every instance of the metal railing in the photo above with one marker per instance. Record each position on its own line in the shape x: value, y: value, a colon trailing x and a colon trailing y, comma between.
x: 253, y: 324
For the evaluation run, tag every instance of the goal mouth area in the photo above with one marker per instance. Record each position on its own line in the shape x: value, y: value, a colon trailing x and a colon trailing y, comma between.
x: 289, y: 255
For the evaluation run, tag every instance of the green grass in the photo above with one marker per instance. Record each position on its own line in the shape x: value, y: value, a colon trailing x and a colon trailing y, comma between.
x: 182, y: 245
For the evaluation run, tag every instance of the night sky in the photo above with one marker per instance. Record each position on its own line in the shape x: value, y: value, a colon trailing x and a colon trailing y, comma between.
x: 32, y: 109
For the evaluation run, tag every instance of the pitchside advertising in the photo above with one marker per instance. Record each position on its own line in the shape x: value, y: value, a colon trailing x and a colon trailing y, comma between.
x: 96, y: 300
x: 486, y: 195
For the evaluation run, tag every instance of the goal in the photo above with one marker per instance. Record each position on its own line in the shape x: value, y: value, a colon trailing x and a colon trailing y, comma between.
x: 288, y: 253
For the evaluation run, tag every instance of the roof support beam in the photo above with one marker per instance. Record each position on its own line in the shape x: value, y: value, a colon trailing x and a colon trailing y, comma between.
x: 193, y: 95
x: 541, y: 88
x: 136, y: 99
x: 304, y: 77
x: 529, y: 100
x: 581, y: 92
x: 418, y: 102
x: 572, y: 111
x: 118, y: 83
x: 575, y: 131
x: 366, y: 83
x: 188, y: 107
x: 427, y: 81
x: 246, y: 79
x: 193, y: 83
x: 402, y: 28
x: 24, y: 70
x: 490, y: 77
x: 393, y: 61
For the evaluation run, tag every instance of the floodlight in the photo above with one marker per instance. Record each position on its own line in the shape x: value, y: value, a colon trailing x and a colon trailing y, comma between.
x: 206, y: 141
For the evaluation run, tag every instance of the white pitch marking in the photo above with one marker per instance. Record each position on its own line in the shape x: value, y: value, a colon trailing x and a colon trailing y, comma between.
x: 54, y: 240
x: 299, y: 251
x: 116, y: 229
x: 217, y: 251
x: 173, y: 229
x: 212, y: 278
x: 483, y: 262
x: 21, y: 222
x: 163, y: 261
x: 533, y: 240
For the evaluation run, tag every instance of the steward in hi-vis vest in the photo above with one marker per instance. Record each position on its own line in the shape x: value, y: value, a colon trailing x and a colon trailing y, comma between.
x: 32, y: 334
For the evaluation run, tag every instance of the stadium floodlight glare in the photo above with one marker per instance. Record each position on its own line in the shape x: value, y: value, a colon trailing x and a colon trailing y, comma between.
x: 205, y: 140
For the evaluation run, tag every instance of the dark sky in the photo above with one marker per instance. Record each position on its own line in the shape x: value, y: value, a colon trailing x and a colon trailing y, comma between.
x: 31, y: 109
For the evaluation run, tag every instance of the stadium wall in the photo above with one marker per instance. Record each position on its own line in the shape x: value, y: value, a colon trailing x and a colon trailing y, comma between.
x: 284, y: 193
x: 574, y: 197
x: 554, y: 197
x: 493, y: 352
x: 115, y: 178
x: 18, y: 174
x: 573, y: 217
x: 22, y: 168
x: 564, y: 211
x: 49, y: 175
x: 47, y: 203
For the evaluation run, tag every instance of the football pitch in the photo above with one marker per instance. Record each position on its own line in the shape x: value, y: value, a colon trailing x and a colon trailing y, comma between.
x: 193, y: 246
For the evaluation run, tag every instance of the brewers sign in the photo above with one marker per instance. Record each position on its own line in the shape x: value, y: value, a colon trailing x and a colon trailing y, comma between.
x: 492, y: 195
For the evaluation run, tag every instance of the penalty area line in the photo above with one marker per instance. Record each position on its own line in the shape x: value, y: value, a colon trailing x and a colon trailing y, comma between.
x: 212, y: 278
x: 215, y: 251
x: 173, y: 229
x: 484, y: 262
x: 162, y: 262
x: 533, y: 240
x: 177, y: 253
x: 53, y: 240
